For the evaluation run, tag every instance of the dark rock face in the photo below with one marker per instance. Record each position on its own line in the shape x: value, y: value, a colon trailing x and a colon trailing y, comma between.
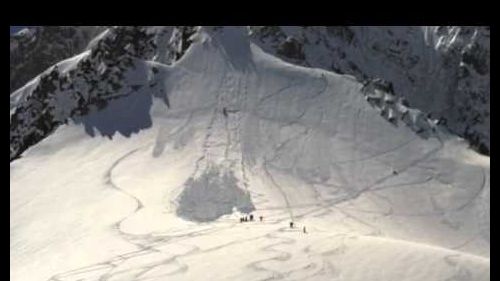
x: 180, y: 41
x: 291, y: 49
x: 478, y: 57
x: 96, y: 80
x: 343, y: 32
x: 33, y: 52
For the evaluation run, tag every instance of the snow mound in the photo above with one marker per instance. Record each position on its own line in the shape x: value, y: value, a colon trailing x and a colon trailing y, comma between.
x: 213, y: 194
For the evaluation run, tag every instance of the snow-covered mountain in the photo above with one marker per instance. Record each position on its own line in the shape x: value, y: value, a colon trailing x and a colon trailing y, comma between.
x: 443, y: 71
x: 135, y: 159
x: 77, y: 86
x: 34, y: 49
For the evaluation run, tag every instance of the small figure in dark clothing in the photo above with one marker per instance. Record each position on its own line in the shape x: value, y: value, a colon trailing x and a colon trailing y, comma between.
x: 245, y: 219
x: 251, y: 217
x: 291, y: 224
x: 241, y: 219
x: 224, y: 111
x: 304, y: 229
x: 394, y: 172
x: 261, y: 217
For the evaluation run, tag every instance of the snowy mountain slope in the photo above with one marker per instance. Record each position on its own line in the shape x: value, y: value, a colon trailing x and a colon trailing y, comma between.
x: 443, y: 71
x: 77, y: 86
x: 34, y: 49
x: 145, y: 188
x: 94, y: 74
x: 410, y: 58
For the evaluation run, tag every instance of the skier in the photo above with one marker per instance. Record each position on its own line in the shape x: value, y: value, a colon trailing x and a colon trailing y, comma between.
x: 251, y: 217
x: 241, y: 219
x: 291, y: 224
x: 261, y: 217
x: 224, y: 111
x: 304, y: 229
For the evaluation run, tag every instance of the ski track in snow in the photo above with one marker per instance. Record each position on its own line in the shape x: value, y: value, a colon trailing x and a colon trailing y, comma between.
x: 148, y: 245
x: 280, y: 249
x: 108, y: 268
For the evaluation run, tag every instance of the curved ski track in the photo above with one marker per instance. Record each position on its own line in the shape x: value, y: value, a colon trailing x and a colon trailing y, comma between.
x: 149, y: 244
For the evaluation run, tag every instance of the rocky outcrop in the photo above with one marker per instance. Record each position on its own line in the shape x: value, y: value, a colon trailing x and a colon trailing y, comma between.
x: 96, y: 79
x: 442, y: 71
x: 35, y: 49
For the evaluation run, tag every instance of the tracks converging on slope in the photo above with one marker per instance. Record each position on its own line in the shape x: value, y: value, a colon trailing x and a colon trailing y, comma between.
x: 231, y: 157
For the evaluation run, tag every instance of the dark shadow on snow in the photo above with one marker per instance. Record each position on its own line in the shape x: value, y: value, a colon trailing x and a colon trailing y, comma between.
x: 126, y: 116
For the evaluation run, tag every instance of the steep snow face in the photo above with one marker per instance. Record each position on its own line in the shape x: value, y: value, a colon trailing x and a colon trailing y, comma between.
x: 227, y: 129
x: 439, y: 70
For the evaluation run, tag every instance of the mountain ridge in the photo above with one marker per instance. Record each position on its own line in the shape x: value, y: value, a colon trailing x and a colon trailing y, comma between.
x: 469, y: 120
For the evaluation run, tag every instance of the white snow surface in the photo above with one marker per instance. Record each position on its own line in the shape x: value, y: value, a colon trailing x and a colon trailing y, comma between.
x: 378, y: 201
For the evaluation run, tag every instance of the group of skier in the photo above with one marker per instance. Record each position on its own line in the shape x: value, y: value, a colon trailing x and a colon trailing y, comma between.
x: 250, y: 218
